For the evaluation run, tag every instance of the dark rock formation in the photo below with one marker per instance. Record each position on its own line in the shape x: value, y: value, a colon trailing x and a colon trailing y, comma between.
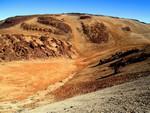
x: 60, y: 25
x: 126, y: 28
x: 15, y: 47
x: 14, y: 20
x: 84, y: 17
x: 96, y: 33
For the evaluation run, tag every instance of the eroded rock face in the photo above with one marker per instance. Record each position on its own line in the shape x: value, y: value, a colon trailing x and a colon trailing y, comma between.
x: 60, y: 25
x: 34, y: 27
x: 126, y: 28
x: 13, y: 21
x: 17, y: 47
x: 96, y: 33
x: 85, y: 17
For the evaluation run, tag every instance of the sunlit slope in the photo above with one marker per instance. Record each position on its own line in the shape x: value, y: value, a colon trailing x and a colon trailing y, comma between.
x: 46, y: 58
x: 67, y: 35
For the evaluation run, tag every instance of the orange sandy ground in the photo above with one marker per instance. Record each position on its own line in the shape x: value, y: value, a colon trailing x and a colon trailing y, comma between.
x: 21, y: 79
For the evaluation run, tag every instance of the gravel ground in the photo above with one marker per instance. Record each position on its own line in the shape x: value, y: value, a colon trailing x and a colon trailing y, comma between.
x: 131, y: 97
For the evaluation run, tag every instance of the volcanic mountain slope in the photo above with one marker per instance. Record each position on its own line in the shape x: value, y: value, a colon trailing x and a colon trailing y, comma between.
x: 66, y: 35
x: 46, y: 58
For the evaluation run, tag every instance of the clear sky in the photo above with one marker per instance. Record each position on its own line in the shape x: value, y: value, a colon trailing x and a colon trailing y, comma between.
x: 136, y: 9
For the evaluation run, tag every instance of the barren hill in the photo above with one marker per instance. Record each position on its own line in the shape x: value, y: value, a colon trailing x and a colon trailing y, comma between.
x: 46, y: 58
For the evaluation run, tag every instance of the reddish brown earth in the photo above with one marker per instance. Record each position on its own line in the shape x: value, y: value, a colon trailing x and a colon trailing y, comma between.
x: 42, y: 50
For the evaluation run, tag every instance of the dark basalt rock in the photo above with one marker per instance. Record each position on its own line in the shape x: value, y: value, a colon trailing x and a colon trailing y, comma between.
x: 96, y: 33
x: 126, y: 28
x: 58, y: 24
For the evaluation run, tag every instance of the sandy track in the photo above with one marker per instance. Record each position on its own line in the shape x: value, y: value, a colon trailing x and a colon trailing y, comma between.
x: 128, y: 97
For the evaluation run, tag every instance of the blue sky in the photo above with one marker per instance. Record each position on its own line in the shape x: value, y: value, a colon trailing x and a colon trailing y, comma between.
x: 136, y: 9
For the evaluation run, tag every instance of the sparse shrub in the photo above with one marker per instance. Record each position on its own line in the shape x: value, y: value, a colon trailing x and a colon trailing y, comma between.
x: 13, y: 101
x: 1, y: 107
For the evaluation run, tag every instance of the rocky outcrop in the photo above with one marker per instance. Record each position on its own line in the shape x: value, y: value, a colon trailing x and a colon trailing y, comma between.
x: 60, y: 25
x: 34, y: 27
x: 122, y: 59
x: 13, y: 21
x: 17, y: 47
x: 126, y: 28
x: 96, y: 33
x: 85, y: 17
x: 118, y: 55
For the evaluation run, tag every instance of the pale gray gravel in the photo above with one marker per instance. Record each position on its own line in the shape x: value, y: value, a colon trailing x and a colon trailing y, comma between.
x: 133, y: 97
